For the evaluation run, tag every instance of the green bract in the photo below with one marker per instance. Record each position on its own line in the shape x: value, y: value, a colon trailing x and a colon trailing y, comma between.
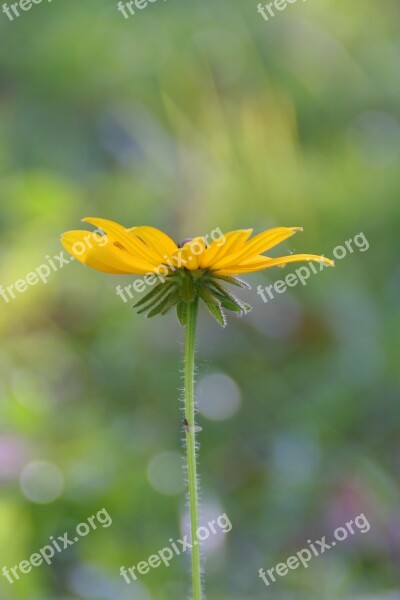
x: 183, y: 287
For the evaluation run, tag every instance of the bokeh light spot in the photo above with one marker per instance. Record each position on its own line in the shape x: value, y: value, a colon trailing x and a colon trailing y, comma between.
x: 41, y: 482
x: 218, y: 397
x: 165, y: 473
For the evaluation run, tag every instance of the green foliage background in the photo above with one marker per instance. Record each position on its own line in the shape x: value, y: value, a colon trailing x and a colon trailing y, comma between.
x: 190, y: 116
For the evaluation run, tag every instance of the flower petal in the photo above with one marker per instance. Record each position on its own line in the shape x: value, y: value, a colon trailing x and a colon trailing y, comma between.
x: 259, y: 244
x: 120, y: 235
x: 159, y: 241
x: 107, y: 258
x: 233, y: 241
x: 195, y: 250
x: 263, y: 262
x: 189, y: 255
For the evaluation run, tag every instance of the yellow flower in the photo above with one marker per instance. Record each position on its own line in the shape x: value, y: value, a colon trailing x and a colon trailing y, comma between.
x: 142, y: 250
x: 186, y: 272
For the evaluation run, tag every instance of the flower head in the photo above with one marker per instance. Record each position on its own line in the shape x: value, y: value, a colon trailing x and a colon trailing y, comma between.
x: 188, y: 271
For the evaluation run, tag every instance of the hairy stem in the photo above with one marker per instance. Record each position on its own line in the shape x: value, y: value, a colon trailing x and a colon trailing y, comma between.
x: 191, y: 445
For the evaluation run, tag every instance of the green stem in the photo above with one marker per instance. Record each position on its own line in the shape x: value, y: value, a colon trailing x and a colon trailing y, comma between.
x: 191, y: 445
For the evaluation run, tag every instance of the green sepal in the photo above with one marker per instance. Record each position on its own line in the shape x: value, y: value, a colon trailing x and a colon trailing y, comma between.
x: 163, y: 306
x: 183, y: 287
x: 173, y: 299
x: 228, y: 300
x: 181, y: 311
x: 231, y: 305
x: 236, y: 306
x: 213, y: 305
x: 206, y: 295
x: 232, y: 280
x: 151, y: 294
x: 188, y: 289
x: 165, y: 289
x: 217, y: 313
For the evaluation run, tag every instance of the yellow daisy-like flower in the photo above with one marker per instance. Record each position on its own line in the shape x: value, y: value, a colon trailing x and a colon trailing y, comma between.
x: 186, y: 271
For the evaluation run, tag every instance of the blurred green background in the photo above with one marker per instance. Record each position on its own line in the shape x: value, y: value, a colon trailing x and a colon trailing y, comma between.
x: 190, y: 116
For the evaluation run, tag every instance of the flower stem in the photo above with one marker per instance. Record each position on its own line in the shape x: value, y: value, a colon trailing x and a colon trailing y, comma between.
x: 191, y: 445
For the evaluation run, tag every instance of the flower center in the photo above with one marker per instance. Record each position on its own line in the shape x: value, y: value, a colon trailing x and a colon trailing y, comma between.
x: 185, y: 241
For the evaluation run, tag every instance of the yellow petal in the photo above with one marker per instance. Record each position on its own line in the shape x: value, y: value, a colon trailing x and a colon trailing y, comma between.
x: 263, y: 262
x: 233, y: 241
x: 260, y: 243
x: 189, y: 255
x: 120, y: 235
x: 159, y: 241
x: 101, y: 254
x: 195, y: 250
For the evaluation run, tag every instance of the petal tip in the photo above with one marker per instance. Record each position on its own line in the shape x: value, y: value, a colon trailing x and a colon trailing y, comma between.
x: 327, y: 261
